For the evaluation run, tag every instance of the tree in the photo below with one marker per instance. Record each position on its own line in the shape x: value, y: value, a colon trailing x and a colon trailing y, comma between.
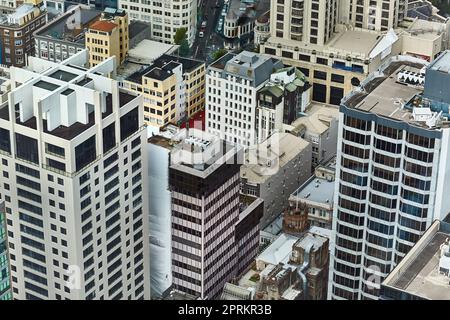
x: 184, y: 49
x: 219, y: 53
x: 180, y: 35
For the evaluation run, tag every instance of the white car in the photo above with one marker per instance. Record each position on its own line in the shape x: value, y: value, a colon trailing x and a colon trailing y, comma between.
x: 201, y: 34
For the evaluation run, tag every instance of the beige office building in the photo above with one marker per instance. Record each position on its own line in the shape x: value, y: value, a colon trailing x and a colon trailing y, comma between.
x: 108, y: 37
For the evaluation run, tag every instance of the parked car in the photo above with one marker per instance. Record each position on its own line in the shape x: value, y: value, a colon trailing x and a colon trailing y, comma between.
x: 201, y: 34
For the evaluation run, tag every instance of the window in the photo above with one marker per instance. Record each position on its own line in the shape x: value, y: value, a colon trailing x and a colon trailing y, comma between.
x: 85, y: 153
x: 129, y: 124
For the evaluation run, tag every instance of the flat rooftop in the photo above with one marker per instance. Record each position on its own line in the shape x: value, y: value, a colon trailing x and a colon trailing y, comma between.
x: 357, y: 41
x: 418, y: 272
x: 315, y: 190
x: 278, y: 251
x: 147, y: 51
x: 279, y: 149
x: 61, y: 27
x: 385, y: 96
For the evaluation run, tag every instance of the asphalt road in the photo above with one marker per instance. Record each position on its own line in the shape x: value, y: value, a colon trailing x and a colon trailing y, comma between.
x: 211, y: 41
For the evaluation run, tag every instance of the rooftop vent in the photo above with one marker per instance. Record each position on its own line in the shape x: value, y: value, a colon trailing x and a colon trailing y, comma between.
x: 411, y: 78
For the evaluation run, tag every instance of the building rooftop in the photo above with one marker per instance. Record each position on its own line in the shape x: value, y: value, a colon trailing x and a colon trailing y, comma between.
x: 424, y: 10
x: 278, y: 251
x: 369, y: 44
x: 194, y: 151
x: 265, y: 159
x: 148, y: 50
x: 357, y: 41
x: 315, y: 190
x: 317, y: 118
x: 418, y: 273
x: 234, y: 292
x: 49, y: 84
x: 394, y: 92
x: 63, y: 28
x: 104, y: 26
x: 423, y: 29
x: 248, y: 65
x: 17, y: 17
x: 110, y: 13
x: 163, y: 67
x: 244, y: 10
x: 309, y: 239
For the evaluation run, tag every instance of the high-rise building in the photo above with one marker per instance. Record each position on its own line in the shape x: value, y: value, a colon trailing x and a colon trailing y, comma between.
x: 5, y: 272
x: 173, y: 89
x: 392, y: 165
x: 310, y: 21
x: 231, y: 97
x: 16, y: 32
x: 108, y: 37
x: 204, y: 183
x: 214, y: 234
x: 380, y: 15
x: 174, y: 265
x: 166, y: 17
x: 74, y: 183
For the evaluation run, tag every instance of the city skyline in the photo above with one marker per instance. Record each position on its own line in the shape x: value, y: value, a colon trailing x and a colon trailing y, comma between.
x: 261, y: 150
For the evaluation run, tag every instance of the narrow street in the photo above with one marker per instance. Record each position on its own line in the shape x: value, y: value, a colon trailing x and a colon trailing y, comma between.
x: 209, y: 11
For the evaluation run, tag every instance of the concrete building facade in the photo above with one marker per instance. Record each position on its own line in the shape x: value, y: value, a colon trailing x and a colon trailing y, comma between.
x: 61, y: 38
x: 173, y: 89
x: 16, y: 33
x: 77, y: 227
x: 273, y: 170
x: 166, y: 17
x: 232, y: 84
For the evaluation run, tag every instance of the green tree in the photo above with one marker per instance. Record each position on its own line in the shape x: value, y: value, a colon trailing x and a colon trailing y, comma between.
x: 180, y: 35
x: 184, y: 49
x: 219, y: 53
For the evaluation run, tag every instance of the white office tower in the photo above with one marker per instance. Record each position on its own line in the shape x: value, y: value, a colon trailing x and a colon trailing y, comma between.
x: 165, y: 16
x: 232, y: 83
x: 393, y: 168
x: 379, y: 15
x: 74, y: 176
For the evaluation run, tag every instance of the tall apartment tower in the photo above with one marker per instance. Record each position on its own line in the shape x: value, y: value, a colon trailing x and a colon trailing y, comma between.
x: 166, y: 17
x: 74, y: 182
x: 231, y: 97
x: 204, y: 182
x: 379, y: 15
x: 393, y: 164
x: 108, y: 37
x: 310, y: 21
